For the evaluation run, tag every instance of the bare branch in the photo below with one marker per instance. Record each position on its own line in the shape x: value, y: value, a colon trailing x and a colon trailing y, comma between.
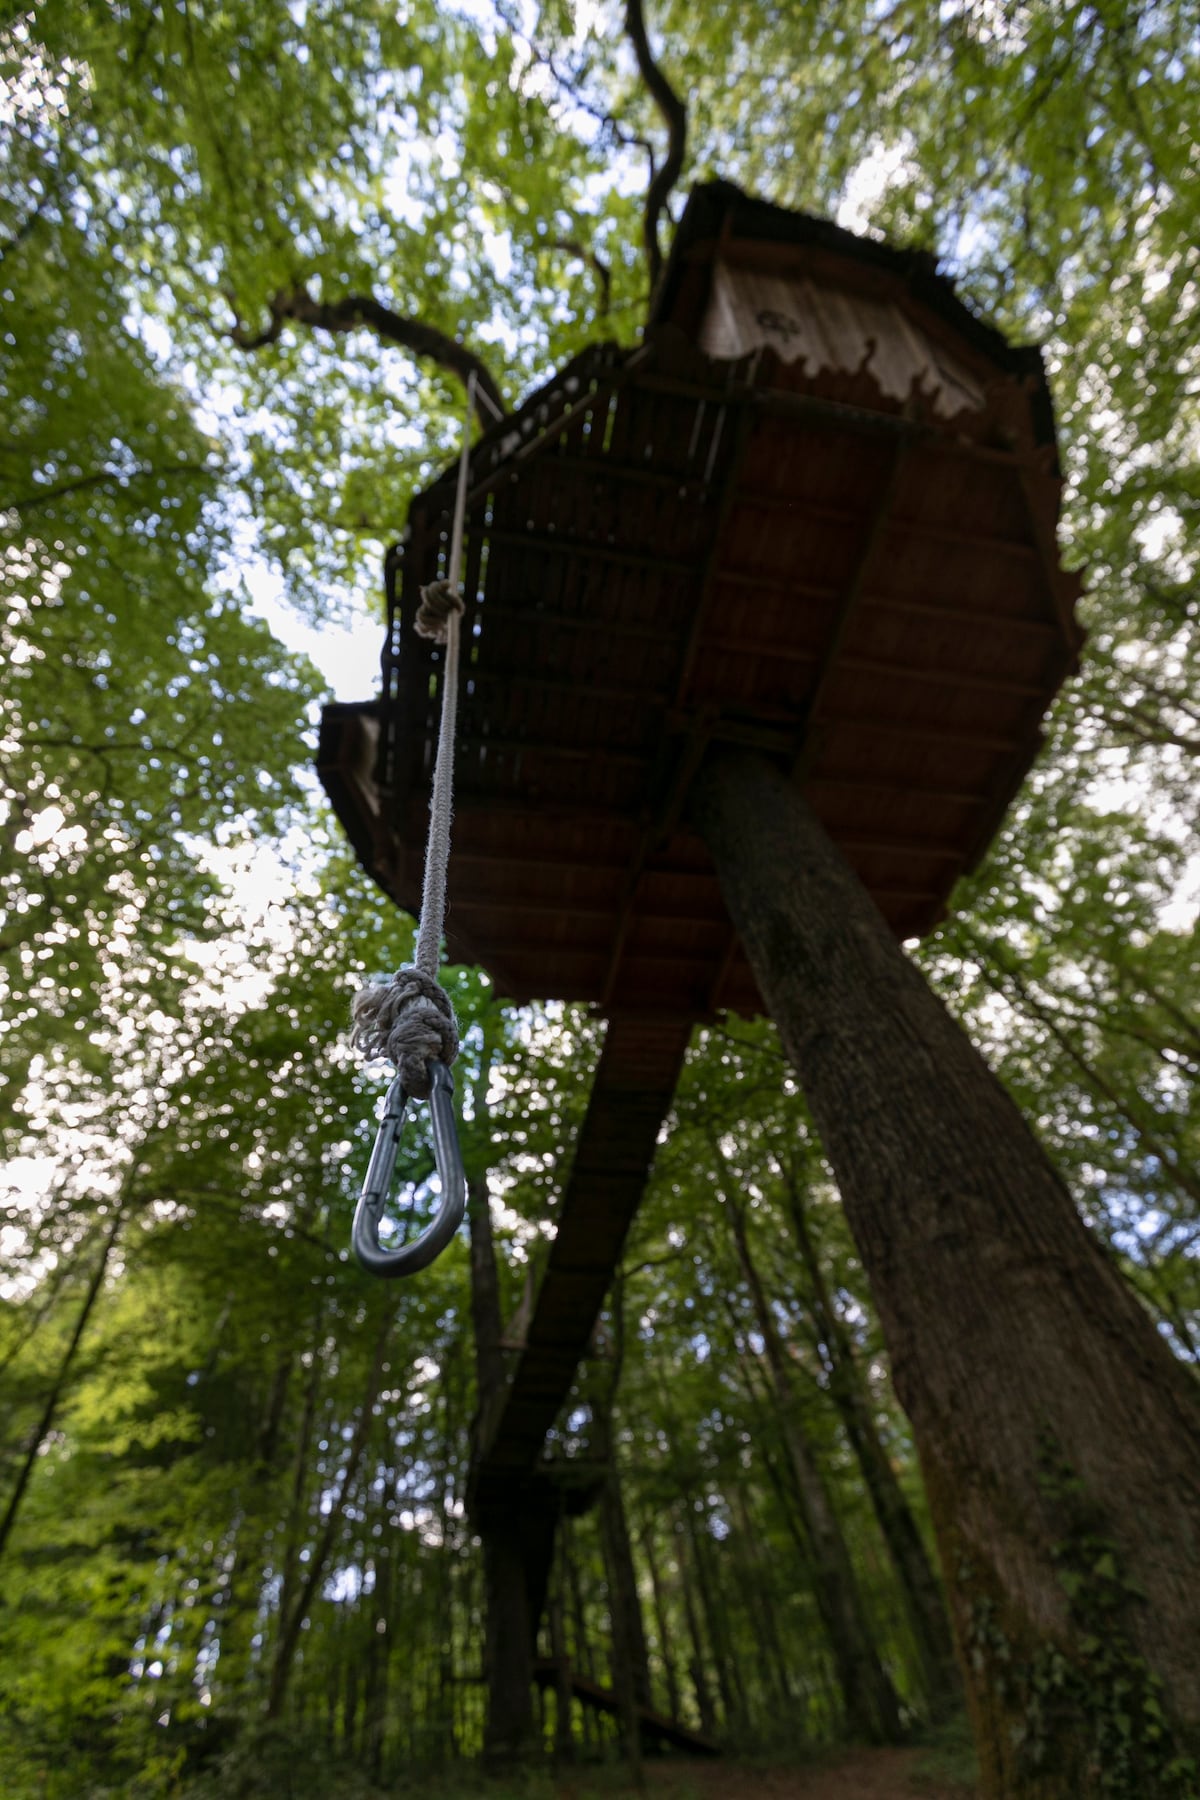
x: 571, y: 87
x: 595, y: 262
x: 674, y: 114
x: 414, y: 335
x: 106, y: 478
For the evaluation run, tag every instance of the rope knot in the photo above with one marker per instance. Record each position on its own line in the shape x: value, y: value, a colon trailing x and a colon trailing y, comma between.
x: 410, y: 1020
x: 439, y: 602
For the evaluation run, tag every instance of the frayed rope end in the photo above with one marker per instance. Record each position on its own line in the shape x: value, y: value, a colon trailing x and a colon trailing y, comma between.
x: 410, y: 1020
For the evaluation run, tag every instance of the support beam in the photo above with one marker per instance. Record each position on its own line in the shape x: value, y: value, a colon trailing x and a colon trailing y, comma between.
x: 631, y: 1094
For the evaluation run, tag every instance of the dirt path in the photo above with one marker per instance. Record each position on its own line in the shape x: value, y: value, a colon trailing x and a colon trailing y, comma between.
x: 864, y: 1775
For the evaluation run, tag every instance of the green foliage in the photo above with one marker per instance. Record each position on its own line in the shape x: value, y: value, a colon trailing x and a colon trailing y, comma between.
x: 1093, y: 1691
x: 172, y: 1063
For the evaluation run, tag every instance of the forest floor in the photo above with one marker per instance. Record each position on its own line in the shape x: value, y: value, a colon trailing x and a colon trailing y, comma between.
x: 860, y: 1775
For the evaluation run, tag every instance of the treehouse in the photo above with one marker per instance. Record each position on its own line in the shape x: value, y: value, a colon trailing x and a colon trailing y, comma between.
x: 814, y: 513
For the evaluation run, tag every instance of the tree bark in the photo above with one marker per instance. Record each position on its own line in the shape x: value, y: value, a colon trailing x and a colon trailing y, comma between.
x: 1059, y: 1438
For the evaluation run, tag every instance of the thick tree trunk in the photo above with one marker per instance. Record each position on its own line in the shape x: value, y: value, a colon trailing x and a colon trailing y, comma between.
x: 1060, y: 1439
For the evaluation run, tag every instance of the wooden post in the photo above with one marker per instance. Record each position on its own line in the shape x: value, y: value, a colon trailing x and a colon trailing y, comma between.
x: 1059, y: 1437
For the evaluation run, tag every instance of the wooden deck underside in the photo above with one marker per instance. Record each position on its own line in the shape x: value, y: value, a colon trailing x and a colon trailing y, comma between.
x: 673, y: 558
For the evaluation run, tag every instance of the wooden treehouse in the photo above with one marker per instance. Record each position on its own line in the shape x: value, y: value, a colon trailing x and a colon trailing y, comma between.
x: 812, y: 513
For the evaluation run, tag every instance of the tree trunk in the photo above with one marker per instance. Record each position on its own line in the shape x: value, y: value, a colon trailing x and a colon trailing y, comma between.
x: 696, y: 1666
x: 630, y: 1665
x: 564, y: 1741
x: 623, y: 1587
x: 662, y: 1625
x: 292, y: 1614
x: 759, y: 1594
x: 486, y: 1319
x: 58, y: 1388
x: 919, y: 1587
x: 868, y: 1699
x: 1060, y: 1439
x: 728, y: 1669
x: 516, y: 1529
x: 517, y: 1533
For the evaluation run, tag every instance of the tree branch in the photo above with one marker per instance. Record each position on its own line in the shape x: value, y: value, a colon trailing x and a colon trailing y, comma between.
x: 595, y: 262
x: 674, y: 114
x: 106, y: 478
x: 571, y: 87
x: 414, y: 335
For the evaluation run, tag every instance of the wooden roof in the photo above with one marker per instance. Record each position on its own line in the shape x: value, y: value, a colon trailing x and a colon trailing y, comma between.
x: 835, y: 542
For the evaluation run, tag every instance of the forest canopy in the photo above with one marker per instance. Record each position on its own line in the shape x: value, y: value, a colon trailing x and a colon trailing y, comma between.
x: 248, y: 254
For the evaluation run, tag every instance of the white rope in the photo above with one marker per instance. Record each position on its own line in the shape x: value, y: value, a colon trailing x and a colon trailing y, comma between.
x: 409, y: 1018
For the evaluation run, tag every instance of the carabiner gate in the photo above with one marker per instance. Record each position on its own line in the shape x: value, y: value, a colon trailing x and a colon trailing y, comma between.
x: 406, y: 1259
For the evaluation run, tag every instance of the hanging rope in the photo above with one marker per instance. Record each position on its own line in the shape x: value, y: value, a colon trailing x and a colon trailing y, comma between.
x: 410, y: 1018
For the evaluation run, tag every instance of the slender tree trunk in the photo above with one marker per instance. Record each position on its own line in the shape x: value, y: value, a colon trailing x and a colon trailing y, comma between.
x: 583, y: 1657
x: 630, y: 1666
x: 516, y: 1531
x: 564, y: 1742
x: 1136, y: 1114
x: 379, y: 1642
x: 623, y: 1586
x: 1059, y: 1438
x: 661, y: 1622
x: 696, y: 1667
x: 516, y: 1526
x: 919, y: 1586
x: 61, y: 1381
x: 868, y: 1698
x: 758, y: 1596
x: 292, y: 1616
x: 728, y: 1670
x: 486, y: 1317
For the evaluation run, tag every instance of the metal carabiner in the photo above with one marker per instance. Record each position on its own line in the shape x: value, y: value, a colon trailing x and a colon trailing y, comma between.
x: 406, y: 1259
